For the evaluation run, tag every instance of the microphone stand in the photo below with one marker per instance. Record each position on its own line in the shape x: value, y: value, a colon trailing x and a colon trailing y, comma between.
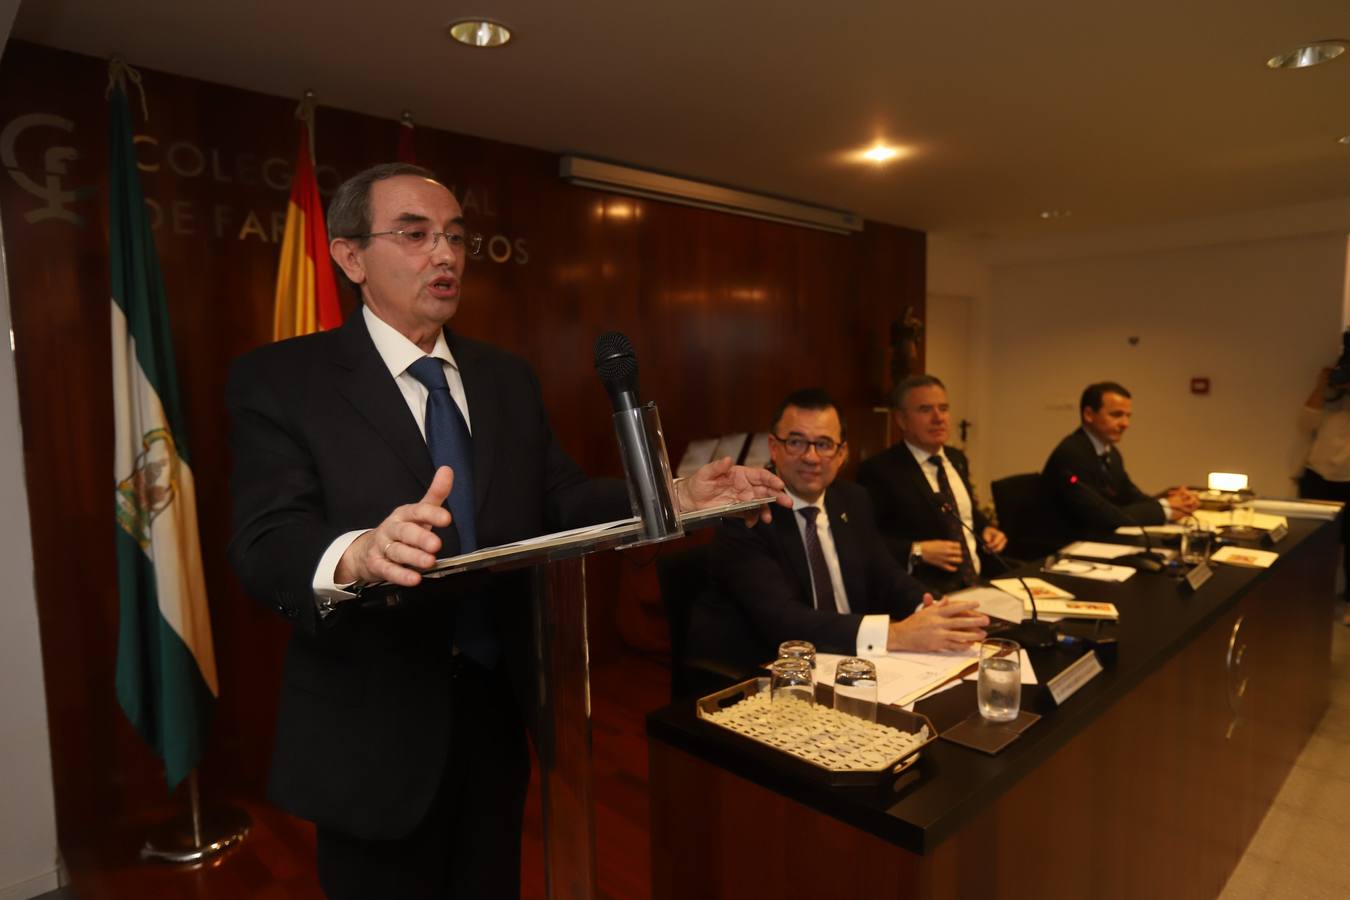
x: 1034, y: 633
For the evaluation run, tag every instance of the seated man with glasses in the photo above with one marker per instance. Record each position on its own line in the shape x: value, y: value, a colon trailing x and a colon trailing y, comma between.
x: 921, y: 490
x: 819, y: 571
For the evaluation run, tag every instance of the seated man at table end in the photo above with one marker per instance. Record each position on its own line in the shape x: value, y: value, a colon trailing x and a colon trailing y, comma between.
x: 1086, y: 472
x: 819, y: 571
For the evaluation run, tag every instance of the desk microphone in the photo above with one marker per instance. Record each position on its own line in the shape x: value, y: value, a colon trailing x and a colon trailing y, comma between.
x: 1149, y: 560
x: 1029, y: 634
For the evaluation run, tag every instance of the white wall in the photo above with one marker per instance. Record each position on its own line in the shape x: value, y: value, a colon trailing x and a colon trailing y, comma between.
x: 1254, y: 302
x: 1258, y: 318
x: 28, y: 852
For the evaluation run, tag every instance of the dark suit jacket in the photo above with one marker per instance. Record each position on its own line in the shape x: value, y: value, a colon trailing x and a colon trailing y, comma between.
x: 763, y: 584
x: 908, y: 510
x: 1096, y: 501
x: 324, y: 443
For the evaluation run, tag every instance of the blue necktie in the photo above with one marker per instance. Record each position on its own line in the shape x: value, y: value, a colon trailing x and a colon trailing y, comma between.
x: 450, y: 444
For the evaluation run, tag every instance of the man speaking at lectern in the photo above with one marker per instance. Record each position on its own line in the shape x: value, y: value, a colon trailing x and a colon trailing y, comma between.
x: 361, y: 455
x: 1086, y: 472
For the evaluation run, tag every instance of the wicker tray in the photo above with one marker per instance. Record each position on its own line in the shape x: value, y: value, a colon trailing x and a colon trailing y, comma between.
x: 867, y: 754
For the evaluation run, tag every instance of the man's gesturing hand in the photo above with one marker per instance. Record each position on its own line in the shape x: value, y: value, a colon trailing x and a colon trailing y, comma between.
x: 403, y: 543
x: 946, y: 625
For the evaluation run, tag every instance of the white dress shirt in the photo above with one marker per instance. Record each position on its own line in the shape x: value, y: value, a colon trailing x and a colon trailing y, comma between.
x: 871, y: 640
x: 398, y: 353
x: 964, y: 507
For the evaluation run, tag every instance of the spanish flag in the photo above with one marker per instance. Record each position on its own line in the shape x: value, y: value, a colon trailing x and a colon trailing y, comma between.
x: 306, y: 296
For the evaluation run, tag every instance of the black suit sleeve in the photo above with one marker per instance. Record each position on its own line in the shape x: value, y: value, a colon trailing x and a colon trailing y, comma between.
x: 279, y: 531
x: 750, y: 575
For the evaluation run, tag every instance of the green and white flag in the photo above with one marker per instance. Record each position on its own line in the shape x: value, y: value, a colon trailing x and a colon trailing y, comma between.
x: 166, y: 666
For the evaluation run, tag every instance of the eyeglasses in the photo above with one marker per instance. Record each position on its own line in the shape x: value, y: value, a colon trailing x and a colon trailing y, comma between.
x: 420, y: 240
x: 796, y: 446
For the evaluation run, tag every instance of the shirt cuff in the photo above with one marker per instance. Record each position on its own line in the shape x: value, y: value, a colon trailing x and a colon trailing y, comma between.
x: 872, y: 635
x: 325, y: 588
x: 1167, y: 508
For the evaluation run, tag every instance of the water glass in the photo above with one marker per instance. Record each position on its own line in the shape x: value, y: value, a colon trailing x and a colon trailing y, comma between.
x: 791, y: 679
x: 798, y: 650
x: 1244, y: 514
x: 855, y: 688
x: 999, y: 685
x: 1196, y: 542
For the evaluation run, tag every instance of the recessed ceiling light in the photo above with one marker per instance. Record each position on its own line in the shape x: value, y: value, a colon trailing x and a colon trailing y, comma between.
x: 1312, y: 54
x: 1344, y: 140
x: 880, y: 153
x: 480, y: 33
x: 1056, y: 213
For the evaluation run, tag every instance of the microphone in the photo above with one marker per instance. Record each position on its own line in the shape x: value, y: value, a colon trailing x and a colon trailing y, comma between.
x: 618, y: 368
x: 642, y: 446
x: 1148, y: 560
x: 1035, y: 633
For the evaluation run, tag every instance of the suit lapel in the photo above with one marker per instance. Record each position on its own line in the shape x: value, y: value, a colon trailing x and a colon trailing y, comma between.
x: 364, y: 381
x: 848, y: 549
x: 789, y: 539
x: 485, y: 410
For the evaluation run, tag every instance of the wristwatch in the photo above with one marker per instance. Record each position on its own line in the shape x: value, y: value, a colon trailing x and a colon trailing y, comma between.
x: 915, y: 556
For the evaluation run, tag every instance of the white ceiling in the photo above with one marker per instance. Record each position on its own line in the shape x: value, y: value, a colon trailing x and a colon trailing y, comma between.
x: 1124, y: 113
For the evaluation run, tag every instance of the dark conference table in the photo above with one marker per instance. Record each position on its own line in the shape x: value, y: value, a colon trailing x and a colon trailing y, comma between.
x: 1148, y: 782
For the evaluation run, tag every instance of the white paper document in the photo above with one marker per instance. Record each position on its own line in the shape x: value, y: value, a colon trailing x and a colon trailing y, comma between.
x: 905, y: 677
x: 1214, y: 519
x: 1299, y: 509
x: 1242, y: 556
x: 1097, y: 550
x: 993, y: 602
x: 1040, y: 589
x: 1086, y: 568
x: 1136, y: 531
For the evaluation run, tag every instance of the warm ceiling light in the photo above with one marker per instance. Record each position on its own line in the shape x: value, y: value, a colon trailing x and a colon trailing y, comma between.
x: 480, y: 33
x: 1056, y: 213
x: 1312, y: 54
x: 880, y: 153
x: 1344, y: 140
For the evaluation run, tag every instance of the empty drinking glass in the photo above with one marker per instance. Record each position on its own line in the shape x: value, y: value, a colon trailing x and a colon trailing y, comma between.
x: 791, y: 679
x: 798, y: 650
x: 999, y: 686
x: 1196, y: 541
x: 855, y: 688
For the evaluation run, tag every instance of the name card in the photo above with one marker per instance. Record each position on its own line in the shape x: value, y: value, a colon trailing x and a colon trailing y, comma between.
x: 1199, y: 575
x: 1276, y: 534
x: 1066, y: 683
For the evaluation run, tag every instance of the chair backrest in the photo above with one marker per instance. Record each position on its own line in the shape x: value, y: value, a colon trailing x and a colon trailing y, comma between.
x: 712, y: 658
x: 682, y: 575
x: 1028, y: 515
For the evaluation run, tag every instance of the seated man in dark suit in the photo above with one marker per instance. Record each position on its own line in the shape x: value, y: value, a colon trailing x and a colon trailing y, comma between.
x: 1086, y: 472
x: 920, y: 488
x: 819, y: 571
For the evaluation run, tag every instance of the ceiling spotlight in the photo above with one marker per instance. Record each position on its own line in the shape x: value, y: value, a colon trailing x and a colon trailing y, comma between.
x: 1312, y: 54
x: 480, y: 33
x: 880, y: 153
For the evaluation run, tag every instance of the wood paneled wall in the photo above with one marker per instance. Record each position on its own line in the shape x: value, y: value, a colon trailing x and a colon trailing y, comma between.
x: 727, y: 314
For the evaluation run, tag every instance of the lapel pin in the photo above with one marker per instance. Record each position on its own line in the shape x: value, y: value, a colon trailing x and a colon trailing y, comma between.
x: 843, y: 517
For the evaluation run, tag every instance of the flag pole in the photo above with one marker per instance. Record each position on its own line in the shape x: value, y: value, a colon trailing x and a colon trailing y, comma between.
x: 151, y: 444
x: 202, y: 834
